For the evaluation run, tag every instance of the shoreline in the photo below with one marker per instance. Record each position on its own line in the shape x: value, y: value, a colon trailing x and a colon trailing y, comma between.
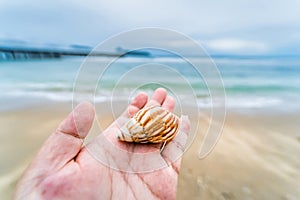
x: 41, y: 104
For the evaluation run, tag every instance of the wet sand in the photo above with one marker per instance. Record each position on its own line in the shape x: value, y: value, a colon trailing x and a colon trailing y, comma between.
x: 257, y: 156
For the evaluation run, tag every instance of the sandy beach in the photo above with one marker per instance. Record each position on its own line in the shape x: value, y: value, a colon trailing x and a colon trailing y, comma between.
x: 207, y: 55
x: 255, y: 158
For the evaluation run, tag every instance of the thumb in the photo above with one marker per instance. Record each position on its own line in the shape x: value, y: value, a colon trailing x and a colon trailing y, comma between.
x: 65, y: 143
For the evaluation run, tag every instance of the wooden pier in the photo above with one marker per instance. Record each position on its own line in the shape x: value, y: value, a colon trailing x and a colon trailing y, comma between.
x: 11, y: 54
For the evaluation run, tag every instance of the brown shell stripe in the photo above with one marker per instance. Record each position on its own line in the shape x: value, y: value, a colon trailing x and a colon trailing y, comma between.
x: 153, y: 124
x: 163, y: 131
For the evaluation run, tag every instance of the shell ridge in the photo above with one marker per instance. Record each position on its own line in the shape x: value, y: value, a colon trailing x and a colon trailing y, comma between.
x: 153, y: 124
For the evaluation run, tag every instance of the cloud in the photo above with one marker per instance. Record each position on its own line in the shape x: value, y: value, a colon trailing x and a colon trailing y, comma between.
x: 233, y: 45
x: 226, y: 26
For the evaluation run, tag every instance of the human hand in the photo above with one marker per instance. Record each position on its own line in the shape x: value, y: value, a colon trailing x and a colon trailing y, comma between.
x: 64, y: 169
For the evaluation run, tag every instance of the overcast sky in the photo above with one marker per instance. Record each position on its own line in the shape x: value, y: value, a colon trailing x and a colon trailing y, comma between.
x: 222, y: 26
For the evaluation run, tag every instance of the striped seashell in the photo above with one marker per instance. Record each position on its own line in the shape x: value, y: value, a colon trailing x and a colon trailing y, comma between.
x: 150, y: 125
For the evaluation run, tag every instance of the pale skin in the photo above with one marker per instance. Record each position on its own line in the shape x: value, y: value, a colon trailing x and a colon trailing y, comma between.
x: 64, y: 169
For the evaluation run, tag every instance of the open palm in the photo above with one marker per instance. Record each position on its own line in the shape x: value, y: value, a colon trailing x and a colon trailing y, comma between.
x: 65, y: 169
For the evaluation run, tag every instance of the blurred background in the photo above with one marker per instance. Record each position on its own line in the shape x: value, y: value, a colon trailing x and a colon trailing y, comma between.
x: 254, y: 44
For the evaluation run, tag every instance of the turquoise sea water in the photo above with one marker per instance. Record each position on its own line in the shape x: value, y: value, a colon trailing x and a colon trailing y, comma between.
x: 249, y: 82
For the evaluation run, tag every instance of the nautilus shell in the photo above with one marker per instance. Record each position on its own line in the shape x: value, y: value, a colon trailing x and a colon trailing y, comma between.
x: 150, y: 125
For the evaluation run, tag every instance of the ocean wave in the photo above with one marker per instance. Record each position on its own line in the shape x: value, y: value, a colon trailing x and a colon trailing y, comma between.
x: 240, y: 102
x: 55, y: 96
x: 58, y: 96
x: 203, y: 101
x: 256, y: 102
